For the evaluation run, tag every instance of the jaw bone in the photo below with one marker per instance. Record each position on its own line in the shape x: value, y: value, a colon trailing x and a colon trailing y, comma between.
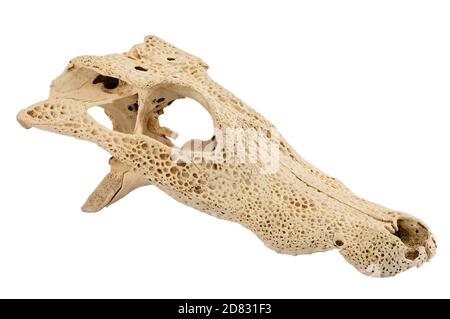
x: 117, y: 183
x: 293, y: 209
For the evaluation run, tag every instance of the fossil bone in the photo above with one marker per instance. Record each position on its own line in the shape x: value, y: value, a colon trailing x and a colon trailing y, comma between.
x: 293, y: 209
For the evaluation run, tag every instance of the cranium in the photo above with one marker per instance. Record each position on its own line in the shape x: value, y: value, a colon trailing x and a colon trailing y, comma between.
x: 293, y: 209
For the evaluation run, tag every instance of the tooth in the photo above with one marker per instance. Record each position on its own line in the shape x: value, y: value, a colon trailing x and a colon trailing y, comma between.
x: 293, y: 207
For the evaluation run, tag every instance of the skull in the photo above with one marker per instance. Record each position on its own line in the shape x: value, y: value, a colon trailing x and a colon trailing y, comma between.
x: 266, y: 186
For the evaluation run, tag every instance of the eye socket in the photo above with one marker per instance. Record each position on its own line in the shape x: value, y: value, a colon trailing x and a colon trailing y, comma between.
x: 108, y: 82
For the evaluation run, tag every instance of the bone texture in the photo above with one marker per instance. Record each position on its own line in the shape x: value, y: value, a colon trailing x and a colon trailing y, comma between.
x: 296, y: 209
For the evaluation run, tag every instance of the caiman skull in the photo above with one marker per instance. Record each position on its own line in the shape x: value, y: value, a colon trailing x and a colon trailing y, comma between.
x: 293, y: 208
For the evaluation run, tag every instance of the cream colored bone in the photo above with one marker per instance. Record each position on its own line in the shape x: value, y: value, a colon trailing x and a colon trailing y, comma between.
x: 295, y: 209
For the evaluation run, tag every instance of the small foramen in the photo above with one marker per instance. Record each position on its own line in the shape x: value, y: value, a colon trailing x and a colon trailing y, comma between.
x: 185, y: 309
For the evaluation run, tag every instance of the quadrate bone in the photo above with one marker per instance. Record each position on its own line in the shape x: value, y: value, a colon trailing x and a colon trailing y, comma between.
x: 294, y: 209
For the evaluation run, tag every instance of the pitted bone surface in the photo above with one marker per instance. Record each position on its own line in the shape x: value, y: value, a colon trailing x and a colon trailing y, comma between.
x: 296, y: 209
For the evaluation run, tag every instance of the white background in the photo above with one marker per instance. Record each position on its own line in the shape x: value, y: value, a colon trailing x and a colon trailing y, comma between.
x: 359, y: 88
